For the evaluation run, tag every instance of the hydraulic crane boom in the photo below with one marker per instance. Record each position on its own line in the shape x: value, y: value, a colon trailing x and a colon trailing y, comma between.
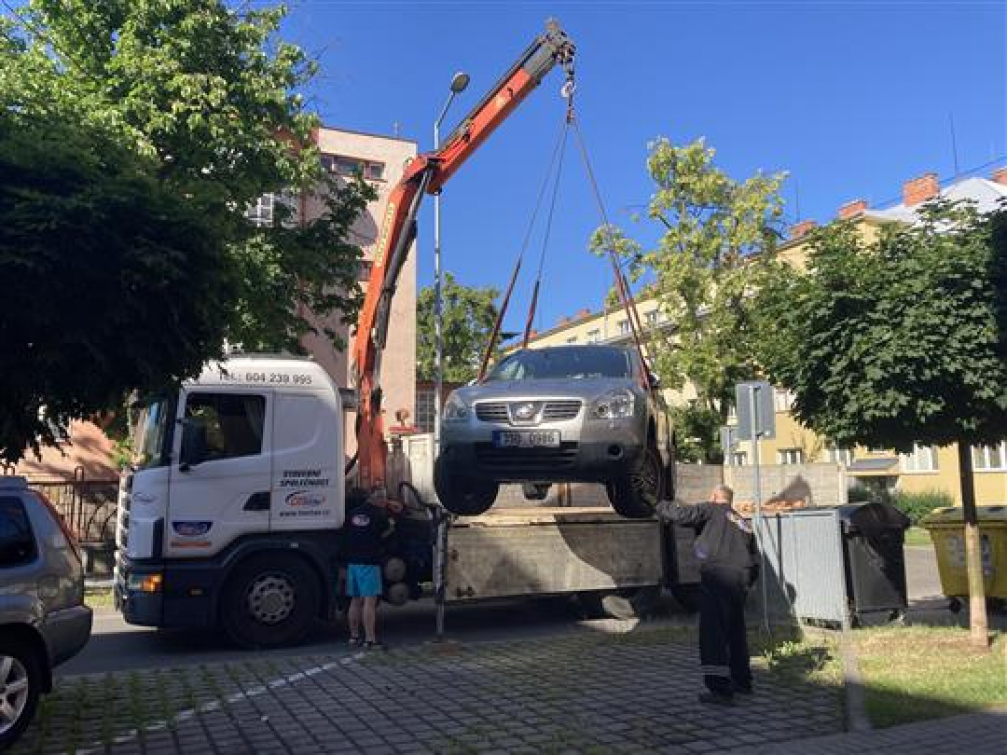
x: 427, y: 174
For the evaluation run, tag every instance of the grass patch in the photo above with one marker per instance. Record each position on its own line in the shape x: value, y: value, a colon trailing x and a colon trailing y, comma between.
x: 99, y: 597
x: 918, y: 536
x: 918, y: 673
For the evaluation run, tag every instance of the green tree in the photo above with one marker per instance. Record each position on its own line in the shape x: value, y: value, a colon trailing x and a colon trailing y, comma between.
x: 135, y: 135
x: 717, y: 239
x: 469, y: 314
x: 899, y: 341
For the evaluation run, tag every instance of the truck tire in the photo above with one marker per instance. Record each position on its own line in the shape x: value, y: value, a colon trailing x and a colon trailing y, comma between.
x: 627, y: 603
x: 270, y: 600
x: 636, y: 495
x: 20, y: 687
x: 462, y: 494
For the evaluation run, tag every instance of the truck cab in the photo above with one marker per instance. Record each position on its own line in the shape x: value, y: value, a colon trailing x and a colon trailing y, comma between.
x: 230, y: 514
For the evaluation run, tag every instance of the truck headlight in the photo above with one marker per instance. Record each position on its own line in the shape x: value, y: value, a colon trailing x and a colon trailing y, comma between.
x: 614, y: 405
x: 455, y: 410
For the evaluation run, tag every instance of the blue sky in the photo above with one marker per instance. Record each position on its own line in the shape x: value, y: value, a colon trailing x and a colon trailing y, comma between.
x: 850, y: 98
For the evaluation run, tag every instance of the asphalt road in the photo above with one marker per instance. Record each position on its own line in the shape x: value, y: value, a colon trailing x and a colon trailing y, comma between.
x: 116, y: 646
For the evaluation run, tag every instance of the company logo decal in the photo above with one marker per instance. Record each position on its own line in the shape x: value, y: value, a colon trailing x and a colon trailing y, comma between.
x: 305, y: 499
x: 191, y: 529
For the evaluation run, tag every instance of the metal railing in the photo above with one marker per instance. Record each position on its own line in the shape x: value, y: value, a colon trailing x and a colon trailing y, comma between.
x: 87, y: 506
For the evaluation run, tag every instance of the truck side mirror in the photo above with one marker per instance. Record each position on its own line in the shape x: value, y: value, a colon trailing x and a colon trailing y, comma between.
x: 655, y: 381
x: 193, y: 449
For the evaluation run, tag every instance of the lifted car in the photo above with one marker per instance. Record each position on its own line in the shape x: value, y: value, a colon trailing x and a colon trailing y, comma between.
x: 558, y: 414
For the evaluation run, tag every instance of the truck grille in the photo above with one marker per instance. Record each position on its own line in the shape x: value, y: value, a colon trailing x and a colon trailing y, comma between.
x: 553, y: 411
x: 526, y: 460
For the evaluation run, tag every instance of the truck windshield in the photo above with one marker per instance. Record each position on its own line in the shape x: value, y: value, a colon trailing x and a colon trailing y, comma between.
x: 564, y: 363
x: 152, y: 436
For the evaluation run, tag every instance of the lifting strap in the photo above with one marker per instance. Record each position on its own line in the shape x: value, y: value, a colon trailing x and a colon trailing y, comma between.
x: 622, y: 286
x: 557, y: 157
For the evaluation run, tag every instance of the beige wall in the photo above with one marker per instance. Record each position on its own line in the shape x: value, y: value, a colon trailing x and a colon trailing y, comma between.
x: 87, y: 456
x: 398, y: 373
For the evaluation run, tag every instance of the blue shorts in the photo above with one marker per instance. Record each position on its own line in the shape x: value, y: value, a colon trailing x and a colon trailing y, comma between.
x: 363, y: 580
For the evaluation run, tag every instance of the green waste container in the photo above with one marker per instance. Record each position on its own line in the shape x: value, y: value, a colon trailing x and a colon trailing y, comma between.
x: 947, y: 530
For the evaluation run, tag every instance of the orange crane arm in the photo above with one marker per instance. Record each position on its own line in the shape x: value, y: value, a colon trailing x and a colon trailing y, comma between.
x: 427, y: 174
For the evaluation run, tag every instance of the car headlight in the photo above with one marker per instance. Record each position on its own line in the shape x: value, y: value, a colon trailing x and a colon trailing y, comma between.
x: 614, y: 405
x: 455, y: 410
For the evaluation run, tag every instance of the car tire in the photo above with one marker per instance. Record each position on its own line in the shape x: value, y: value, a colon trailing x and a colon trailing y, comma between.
x: 461, y: 494
x: 270, y: 601
x: 20, y: 687
x: 625, y: 603
x: 636, y: 495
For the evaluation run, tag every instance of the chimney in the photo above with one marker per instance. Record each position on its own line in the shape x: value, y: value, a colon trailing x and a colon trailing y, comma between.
x: 583, y: 313
x: 917, y: 190
x: 1000, y: 176
x: 852, y: 209
x: 802, y: 228
x: 532, y: 335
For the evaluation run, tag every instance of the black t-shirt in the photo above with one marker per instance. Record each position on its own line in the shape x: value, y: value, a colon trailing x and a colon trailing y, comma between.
x: 363, y: 529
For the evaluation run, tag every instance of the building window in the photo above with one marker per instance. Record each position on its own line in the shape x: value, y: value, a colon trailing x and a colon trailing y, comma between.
x: 623, y: 327
x: 922, y: 459
x: 841, y: 456
x: 790, y: 456
x: 364, y: 273
x: 783, y: 399
x: 261, y: 213
x: 572, y: 339
x: 593, y: 336
x: 739, y: 458
x: 652, y: 318
x: 351, y: 166
x: 987, y: 458
x: 425, y: 409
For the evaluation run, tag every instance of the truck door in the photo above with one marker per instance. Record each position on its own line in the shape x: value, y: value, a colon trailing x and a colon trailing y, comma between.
x: 221, y: 471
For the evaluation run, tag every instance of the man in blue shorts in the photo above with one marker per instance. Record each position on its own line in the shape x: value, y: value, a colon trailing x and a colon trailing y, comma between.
x: 365, y: 528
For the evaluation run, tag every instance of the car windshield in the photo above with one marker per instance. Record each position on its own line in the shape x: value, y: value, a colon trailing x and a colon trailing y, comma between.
x: 152, y: 437
x: 565, y: 363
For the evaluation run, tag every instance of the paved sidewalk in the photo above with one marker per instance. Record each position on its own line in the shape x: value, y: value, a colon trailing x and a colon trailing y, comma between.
x: 974, y: 733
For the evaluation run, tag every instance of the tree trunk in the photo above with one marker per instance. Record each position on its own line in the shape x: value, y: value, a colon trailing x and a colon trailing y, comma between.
x: 973, y: 549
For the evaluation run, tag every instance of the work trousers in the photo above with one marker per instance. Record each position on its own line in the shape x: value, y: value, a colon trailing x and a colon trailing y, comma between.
x: 723, y: 647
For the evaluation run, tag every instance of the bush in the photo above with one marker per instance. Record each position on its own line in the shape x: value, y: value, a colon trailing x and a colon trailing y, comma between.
x: 861, y: 493
x: 918, y: 505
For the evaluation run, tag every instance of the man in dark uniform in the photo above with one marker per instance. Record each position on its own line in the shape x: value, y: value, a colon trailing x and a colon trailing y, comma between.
x: 729, y: 565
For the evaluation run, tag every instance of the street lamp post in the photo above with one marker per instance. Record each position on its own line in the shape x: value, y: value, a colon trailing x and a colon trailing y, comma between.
x: 458, y: 83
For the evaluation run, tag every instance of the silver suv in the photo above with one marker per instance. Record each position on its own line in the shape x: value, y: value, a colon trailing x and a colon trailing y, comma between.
x: 43, y: 619
x: 558, y: 414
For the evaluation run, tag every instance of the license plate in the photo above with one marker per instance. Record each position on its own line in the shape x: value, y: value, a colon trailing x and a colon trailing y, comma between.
x: 526, y: 438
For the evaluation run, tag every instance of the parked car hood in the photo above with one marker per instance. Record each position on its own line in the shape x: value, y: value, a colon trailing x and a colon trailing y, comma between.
x: 510, y: 390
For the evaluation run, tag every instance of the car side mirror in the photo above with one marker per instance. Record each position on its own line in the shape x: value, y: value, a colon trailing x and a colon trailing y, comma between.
x: 193, y: 450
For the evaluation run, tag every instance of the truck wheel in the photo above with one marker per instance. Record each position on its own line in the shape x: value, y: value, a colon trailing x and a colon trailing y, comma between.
x: 687, y: 596
x: 269, y: 601
x: 636, y: 495
x: 20, y: 687
x: 627, y: 603
x: 461, y: 494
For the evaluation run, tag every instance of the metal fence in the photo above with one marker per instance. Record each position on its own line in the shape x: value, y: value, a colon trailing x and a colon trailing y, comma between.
x: 805, y: 574
x: 88, y: 507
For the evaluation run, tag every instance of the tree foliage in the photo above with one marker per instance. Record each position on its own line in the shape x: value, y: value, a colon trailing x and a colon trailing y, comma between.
x: 717, y: 238
x: 899, y: 340
x: 468, y: 314
x: 135, y: 134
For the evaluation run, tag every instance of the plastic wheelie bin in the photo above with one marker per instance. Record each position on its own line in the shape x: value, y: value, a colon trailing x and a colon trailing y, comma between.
x: 874, y: 559
x: 947, y: 530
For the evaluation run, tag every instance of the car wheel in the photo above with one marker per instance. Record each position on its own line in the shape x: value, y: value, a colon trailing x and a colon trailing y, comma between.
x: 20, y: 687
x: 461, y: 494
x: 636, y: 495
x: 270, y: 601
x: 626, y: 603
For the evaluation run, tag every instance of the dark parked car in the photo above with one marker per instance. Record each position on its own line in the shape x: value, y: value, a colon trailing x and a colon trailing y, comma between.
x: 43, y: 619
x: 558, y: 414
